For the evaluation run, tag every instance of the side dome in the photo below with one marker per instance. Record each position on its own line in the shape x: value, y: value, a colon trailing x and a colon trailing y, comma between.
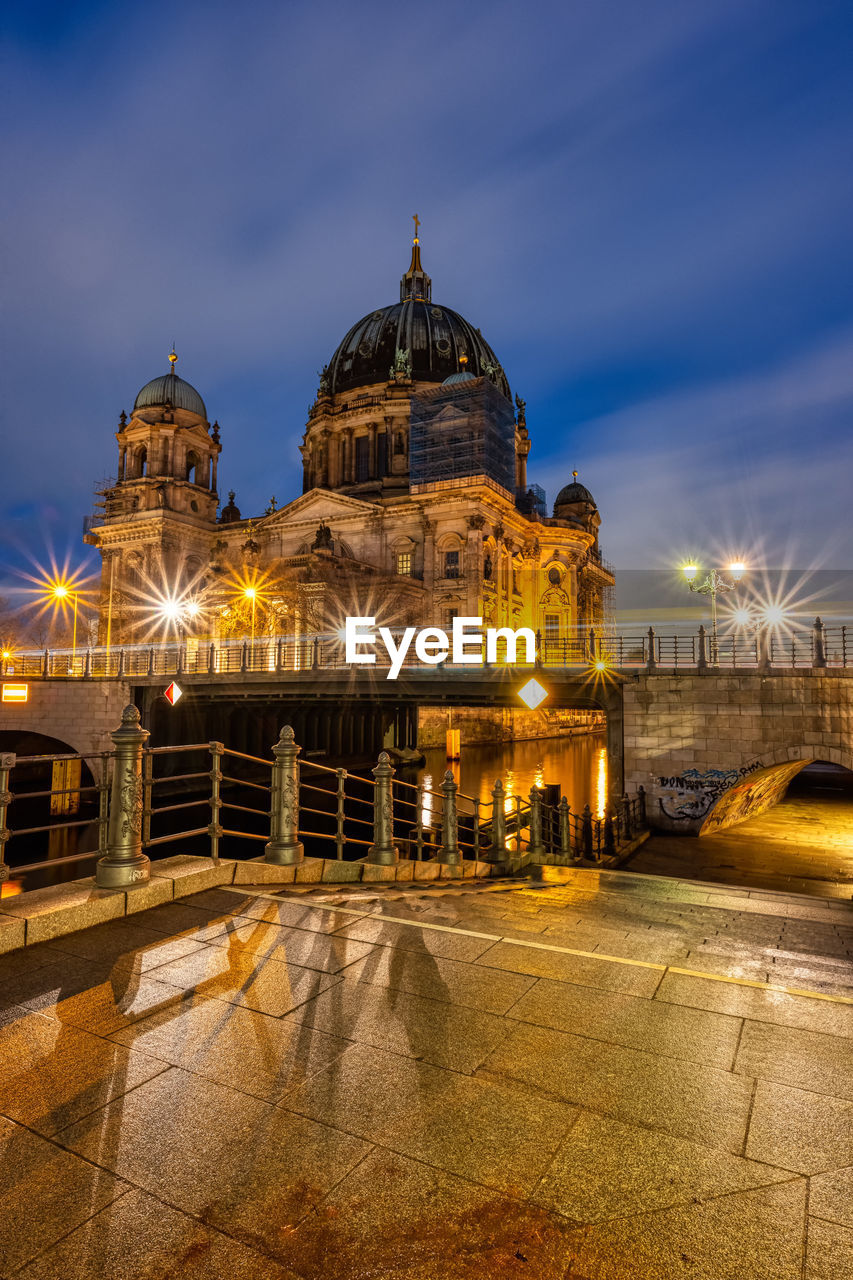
x: 433, y: 339
x: 572, y: 493
x: 170, y: 389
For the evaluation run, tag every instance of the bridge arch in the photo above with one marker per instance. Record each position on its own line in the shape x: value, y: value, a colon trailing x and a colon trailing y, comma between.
x: 761, y: 789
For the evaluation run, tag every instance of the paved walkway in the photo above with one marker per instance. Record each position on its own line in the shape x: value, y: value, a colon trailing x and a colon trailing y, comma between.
x: 803, y: 845
x: 598, y: 1079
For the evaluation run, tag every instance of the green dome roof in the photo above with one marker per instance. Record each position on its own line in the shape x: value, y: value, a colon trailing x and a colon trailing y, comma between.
x: 170, y: 389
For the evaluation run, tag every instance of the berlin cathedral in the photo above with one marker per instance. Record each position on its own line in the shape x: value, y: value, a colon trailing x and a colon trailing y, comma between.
x: 415, y: 504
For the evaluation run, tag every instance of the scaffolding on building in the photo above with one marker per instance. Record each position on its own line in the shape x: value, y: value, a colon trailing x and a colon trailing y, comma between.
x: 462, y: 429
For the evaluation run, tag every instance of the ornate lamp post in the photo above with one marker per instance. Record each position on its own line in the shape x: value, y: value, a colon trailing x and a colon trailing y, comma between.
x: 714, y: 582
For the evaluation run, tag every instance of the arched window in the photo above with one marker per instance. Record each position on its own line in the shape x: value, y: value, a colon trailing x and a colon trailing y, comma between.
x: 140, y: 462
x: 192, y: 466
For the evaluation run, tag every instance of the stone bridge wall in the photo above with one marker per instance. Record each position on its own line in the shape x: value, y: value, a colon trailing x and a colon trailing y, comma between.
x: 713, y: 749
x: 78, y: 713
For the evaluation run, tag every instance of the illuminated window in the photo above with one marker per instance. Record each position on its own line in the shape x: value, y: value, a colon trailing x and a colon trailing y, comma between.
x: 552, y: 626
x: 404, y: 563
x: 451, y: 564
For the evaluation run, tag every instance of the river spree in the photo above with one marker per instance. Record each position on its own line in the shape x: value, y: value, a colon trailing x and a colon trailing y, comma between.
x: 578, y: 765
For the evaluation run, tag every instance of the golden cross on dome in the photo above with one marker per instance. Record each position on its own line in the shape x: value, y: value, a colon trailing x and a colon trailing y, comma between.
x: 417, y: 222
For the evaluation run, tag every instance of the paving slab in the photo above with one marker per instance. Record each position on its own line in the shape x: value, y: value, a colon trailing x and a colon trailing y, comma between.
x: 392, y: 1216
x: 607, y: 1169
x: 267, y: 985
x: 231, y: 1160
x: 755, y: 1234
x: 79, y: 994
x: 51, y: 1074
x: 295, y: 914
x: 436, y: 942
x: 800, y: 1130
x: 757, y: 1005
x: 45, y: 1192
x: 588, y: 971
x: 260, y: 1055
x: 327, y: 952
x: 690, y: 1101
x: 428, y: 1030
x: 49, y: 913
x: 829, y: 1251
x: 139, y: 1238
x: 806, y: 1059
x: 831, y: 1196
x: 440, y: 979
x: 669, y: 1030
x: 481, y: 1130
x: 125, y: 944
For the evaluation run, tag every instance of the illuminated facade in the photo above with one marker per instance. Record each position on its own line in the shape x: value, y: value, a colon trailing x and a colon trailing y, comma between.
x: 415, y: 505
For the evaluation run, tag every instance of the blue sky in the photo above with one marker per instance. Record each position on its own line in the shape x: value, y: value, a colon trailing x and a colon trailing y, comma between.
x: 645, y: 207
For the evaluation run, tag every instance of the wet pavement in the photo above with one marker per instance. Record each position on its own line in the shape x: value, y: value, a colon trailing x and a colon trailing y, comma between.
x: 599, y: 1077
x: 803, y: 845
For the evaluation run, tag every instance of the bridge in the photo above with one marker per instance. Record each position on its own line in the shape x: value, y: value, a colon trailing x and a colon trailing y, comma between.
x: 714, y: 733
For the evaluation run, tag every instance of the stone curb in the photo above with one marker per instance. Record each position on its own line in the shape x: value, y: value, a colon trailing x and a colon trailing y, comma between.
x: 43, y: 914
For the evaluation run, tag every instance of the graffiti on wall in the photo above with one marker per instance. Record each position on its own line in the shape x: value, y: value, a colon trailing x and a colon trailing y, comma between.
x: 692, y: 793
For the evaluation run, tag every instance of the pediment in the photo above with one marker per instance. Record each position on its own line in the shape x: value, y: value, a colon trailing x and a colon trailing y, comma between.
x: 317, y: 505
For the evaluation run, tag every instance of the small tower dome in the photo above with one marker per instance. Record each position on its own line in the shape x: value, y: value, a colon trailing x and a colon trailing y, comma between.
x: 170, y: 389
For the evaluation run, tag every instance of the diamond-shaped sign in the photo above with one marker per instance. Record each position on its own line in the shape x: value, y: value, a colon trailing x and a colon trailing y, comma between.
x: 532, y: 694
x: 174, y: 692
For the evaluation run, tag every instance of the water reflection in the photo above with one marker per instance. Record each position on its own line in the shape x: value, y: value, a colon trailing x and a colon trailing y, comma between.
x: 578, y: 765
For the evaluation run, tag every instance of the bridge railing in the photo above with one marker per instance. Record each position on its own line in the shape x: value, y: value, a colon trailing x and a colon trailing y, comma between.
x: 817, y: 646
x: 146, y: 797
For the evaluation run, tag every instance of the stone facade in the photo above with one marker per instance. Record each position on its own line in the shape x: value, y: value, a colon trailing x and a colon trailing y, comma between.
x: 713, y: 749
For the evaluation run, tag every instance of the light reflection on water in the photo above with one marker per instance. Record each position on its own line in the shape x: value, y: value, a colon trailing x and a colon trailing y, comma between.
x: 579, y: 766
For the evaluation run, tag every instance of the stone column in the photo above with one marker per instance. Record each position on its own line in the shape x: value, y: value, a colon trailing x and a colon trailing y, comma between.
x: 449, y: 851
x: 383, y: 850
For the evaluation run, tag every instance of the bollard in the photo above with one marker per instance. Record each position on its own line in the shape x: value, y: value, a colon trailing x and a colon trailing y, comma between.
x: 818, y: 648
x: 284, y: 847
x: 383, y: 851
x: 586, y: 832
x: 7, y: 764
x: 565, y: 830
x: 125, y: 864
x: 535, y: 847
x: 703, y: 655
x: 498, y: 851
x: 449, y: 851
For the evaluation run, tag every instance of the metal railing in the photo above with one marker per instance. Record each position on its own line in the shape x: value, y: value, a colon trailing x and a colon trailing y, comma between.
x: 814, y: 647
x: 288, y: 805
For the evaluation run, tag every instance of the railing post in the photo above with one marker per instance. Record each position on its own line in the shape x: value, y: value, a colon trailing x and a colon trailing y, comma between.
x: 279, y: 655
x: 762, y: 640
x: 449, y: 851
x: 46, y: 664
x: 535, y: 847
x: 383, y: 851
x: 284, y: 847
x: 626, y: 821
x: 211, y: 659
x: 419, y: 821
x: 538, y: 648
x: 151, y: 660
x: 244, y: 659
x: 818, y: 648
x: 341, y: 775
x: 125, y: 865
x: 7, y: 764
x: 498, y: 850
x: 702, y: 662
x: 565, y: 829
x: 609, y: 837
x: 651, y: 664
x: 217, y: 750
x: 591, y: 644
x: 475, y: 840
x: 641, y: 800
x: 586, y: 832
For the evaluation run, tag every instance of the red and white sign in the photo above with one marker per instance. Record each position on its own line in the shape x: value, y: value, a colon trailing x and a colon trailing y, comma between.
x: 174, y: 692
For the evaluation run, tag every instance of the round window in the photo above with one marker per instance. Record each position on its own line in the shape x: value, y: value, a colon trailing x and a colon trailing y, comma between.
x: 194, y: 505
x: 443, y: 346
x: 365, y: 349
x: 437, y: 313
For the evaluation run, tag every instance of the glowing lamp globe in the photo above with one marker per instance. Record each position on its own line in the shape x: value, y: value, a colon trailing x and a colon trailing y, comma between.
x: 533, y: 694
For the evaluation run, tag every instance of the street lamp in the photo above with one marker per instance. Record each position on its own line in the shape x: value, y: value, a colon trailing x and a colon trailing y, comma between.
x: 60, y: 591
x: 251, y: 593
x: 714, y: 582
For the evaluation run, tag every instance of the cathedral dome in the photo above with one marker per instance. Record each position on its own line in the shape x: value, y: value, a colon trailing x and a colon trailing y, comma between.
x: 170, y: 389
x: 432, y: 337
